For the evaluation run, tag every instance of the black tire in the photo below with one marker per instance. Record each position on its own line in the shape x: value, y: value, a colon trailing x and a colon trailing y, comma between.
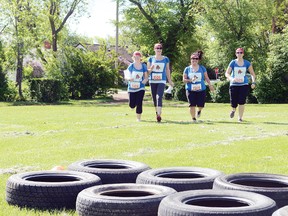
x: 271, y: 185
x: 281, y: 212
x: 48, y: 189
x: 126, y: 199
x: 180, y: 178
x: 111, y: 171
x: 215, y: 203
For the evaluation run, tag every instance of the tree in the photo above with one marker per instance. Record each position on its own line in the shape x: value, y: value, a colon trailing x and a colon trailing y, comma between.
x: 169, y: 22
x: 18, y: 14
x: 59, y: 13
x: 273, y: 85
x: 280, y: 15
x: 3, y: 78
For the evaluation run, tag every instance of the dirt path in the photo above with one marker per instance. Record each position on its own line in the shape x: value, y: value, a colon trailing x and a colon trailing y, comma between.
x: 121, y: 96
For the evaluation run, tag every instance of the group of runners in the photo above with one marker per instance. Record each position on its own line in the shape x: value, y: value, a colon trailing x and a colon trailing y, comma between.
x: 157, y: 72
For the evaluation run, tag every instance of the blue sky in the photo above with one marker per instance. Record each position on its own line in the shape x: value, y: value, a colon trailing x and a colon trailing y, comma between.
x: 99, y: 23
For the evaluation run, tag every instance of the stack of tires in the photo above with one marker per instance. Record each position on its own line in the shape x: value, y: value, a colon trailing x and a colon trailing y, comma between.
x: 236, y: 194
x: 108, y: 187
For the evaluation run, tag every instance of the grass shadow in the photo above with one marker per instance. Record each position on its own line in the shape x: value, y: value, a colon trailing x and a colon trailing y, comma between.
x: 275, y: 123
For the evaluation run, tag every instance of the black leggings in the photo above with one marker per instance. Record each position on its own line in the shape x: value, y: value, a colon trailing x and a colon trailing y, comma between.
x: 136, y: 100
x: 157, y: 89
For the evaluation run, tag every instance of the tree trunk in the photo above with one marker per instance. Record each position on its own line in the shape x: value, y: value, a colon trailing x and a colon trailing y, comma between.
x: 19, y: 72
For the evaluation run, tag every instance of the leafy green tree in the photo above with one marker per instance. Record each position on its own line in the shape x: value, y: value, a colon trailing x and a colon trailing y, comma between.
x: 59, y: 12
x: 280, y: 15
x: 3, y: 78
x: 273, y: 85
x: 232, y: 24
x: 18, y: 15
x: 169, y: 22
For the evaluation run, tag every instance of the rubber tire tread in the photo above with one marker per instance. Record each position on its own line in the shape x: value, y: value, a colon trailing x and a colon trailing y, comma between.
x: 279, y: 194
x: 111, y: 175
x: 92, y: 202
x: 153, y: 176
x: 47, y: 195
x: 175, y: 204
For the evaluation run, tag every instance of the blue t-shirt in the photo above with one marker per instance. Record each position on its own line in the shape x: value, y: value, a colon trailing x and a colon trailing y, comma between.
x: 138, y: 76
x: 239, y: 72
x: 158, y: 75
x: 199, y: 83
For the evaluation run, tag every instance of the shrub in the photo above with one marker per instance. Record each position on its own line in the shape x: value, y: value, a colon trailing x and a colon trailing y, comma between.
x: 179, y: 91
x: 221, y: 94
x: 47, y: 90
x: 85, y: 73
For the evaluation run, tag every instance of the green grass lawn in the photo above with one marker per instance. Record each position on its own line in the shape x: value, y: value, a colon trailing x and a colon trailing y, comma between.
x: 39, y: 137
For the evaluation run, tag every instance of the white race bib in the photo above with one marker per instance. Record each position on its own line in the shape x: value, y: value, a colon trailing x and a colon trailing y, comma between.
x: 158, y: 67
x: 137, y: 76
x: 135, y: 85
x: 239, y: 73
x: 196, y: 87
x: 156, y: 76
x: 196, y: 77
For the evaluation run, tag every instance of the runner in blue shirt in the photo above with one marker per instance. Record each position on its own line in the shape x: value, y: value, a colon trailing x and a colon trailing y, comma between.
x: 194, y: 77
x: 159, y: 72
x: 137, y: 77
x: 236, y: 73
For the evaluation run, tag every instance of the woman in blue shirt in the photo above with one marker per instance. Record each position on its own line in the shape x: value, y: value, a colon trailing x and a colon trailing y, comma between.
x: 236, y: 73
x: 194, y: 77
x: 159, y: 72
x: 137, y: 78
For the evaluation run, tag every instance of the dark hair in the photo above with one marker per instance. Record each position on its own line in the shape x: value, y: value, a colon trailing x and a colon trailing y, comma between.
x: 198, y: 53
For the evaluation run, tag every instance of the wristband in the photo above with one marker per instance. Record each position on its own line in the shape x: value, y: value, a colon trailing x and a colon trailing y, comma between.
x: 254, y: 83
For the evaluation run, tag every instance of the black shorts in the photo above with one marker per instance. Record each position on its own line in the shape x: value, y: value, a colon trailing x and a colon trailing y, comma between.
x: 196, y: 98
x: 238, y: 95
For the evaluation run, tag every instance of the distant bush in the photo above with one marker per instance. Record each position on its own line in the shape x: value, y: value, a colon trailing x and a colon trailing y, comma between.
x: 221, y: 94
x: 179, y: 92
x: 47, y: 90
x: 85, y: 73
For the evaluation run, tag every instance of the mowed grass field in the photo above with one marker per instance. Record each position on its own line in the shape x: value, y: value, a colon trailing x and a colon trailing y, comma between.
x: 39, y: 137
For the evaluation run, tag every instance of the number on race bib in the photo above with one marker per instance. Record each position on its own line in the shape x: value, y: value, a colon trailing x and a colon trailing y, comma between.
x: 196, y: 87
x: 157, y: 76
x: 135, y: 85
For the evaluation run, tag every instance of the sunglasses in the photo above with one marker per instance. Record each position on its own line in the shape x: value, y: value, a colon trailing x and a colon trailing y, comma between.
x: 195, y: 58
x: 239, y: 52
x: 159, y: 48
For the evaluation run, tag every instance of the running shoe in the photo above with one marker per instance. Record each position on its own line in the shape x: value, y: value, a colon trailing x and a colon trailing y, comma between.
x: 199, y: 114
x: 158, y: 118
x: 232, y: 114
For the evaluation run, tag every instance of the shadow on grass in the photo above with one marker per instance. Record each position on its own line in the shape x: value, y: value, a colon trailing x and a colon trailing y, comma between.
x: 275, y: 123
x: 199, y: 122
x: 209, y: 122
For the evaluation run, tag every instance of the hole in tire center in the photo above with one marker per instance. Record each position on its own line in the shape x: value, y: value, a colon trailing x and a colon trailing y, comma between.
x: 127, y: 193
x: 107, y: 166
x: 260, y: 183
x: 220, y: 202
x: 53, y: 178
x: 181, y: 175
